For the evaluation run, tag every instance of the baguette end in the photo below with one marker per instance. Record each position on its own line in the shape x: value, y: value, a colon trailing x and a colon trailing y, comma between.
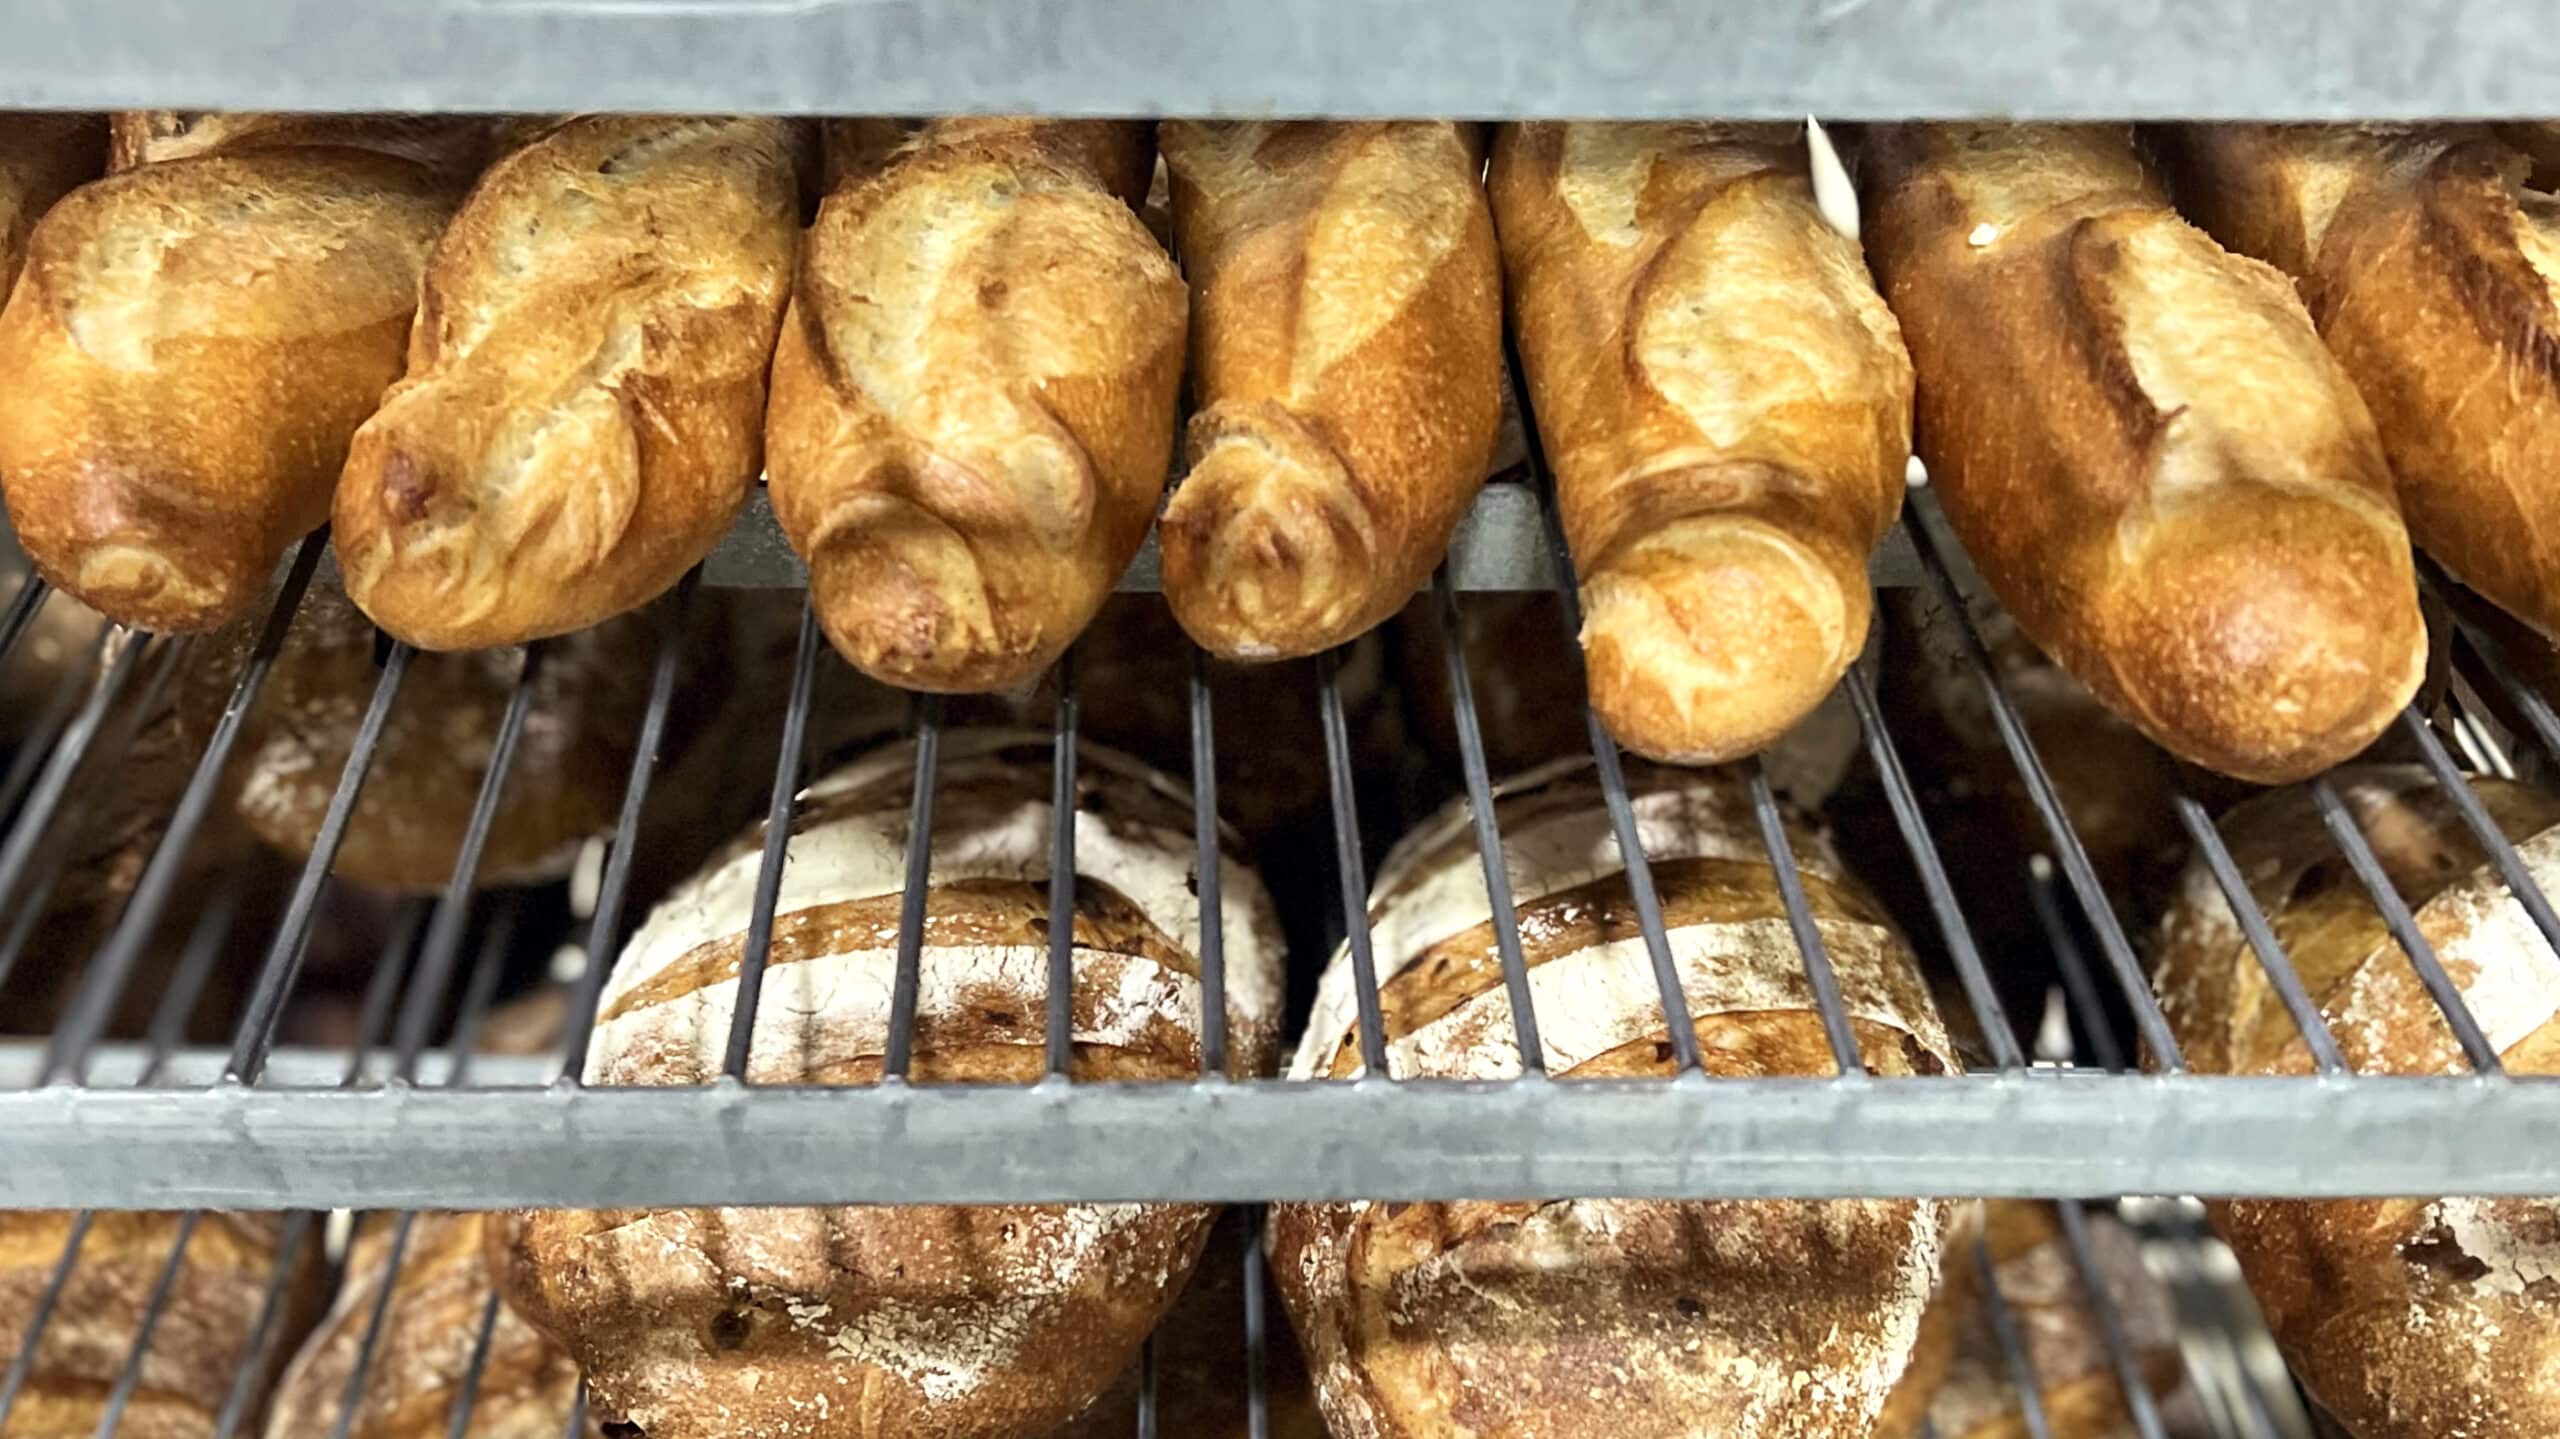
x: 1269, y: 548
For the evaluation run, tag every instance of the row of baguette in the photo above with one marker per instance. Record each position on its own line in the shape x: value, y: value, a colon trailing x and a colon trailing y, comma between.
x: 1533, y: 1320
x: 975, y: 357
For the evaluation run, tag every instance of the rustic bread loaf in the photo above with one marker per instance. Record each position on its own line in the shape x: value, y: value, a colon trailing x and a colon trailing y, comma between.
x: 454, y: 146
x: 42, y: 158
x: 1637, y: 1319
x: 2428, y: 264
x: 1727, y: 407
x: 197, y: 1347
x: 423, y: 1353
x: 583, y: 412
x: 1346, y: 343
x: 973, y: 397
x: 2406, y: 1318
x: 184, y: 357
x: 902, y: 1323
x: 2139, y: 438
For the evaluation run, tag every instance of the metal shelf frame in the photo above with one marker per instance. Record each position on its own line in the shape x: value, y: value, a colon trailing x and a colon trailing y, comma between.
x: 1852, y: 59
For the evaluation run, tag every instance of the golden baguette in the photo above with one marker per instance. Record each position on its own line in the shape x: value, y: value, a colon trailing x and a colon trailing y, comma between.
x: 583, y: 413
x: 455, y: 147
x: 2431, y: 272
x: 2139, y: 438
x: 1727, y: 406
x: 973, y: 398
x: 42, y: 157
x: 183, y: 360
x: 1346, y: 327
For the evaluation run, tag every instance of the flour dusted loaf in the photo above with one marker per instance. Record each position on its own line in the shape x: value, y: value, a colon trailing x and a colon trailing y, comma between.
x: 42, y: 157
x: 2405, y: 1318
x: 973, y: 397
x: 423, y: 1353
x: 583, y: 412
x: 902, y: 1323
x: 1346, y: 328
x: 186, y: 353
x: 198, y: 1346
x: 1634, y: 1319
x: 2144, y: 446
x: 1727, y: 406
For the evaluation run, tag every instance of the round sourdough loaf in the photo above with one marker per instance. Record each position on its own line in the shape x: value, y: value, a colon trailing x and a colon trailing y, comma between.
x: 2406, y: 1318
x: 996, y: 1322
x: 1570, y: 1318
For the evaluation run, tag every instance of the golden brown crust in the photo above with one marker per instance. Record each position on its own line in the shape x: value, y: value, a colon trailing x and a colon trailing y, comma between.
x: 2430, y: 269
x: 1727, y: 406
x: 583, y: 412
x: 2406, y: 1318
x: 184, y: 358
x: 973, y: 399
x: 426, y: 772
x: 42, y: 157
x: 1346, y: 344
x: 197, y: 1347
x: 455, y: 147
x: 2144, y: 447
x: 423, y: 1352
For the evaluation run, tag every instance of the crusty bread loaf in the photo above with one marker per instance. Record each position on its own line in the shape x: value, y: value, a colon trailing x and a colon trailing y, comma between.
x: 1634, y: 1319
x: 973, y: 398
x: 196, y: 1348
x: 2406, y: 1318
x: 42, y: 157
x: 2141, y: 441
x: 2427, y: 266
x: 583, y: 412
x: 423, y: 1353
x: 902, y: 1323
x: 425, y: 777
x: 2075, y: 1372
x: 184, y: 357
x: 455, y: 147
x: 1727, y: 408
x: 1346, y: 347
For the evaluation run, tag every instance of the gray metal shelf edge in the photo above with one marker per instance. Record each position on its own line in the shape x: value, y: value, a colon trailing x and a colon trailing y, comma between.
x: 1521, y: 58
x: 2028, y: 1133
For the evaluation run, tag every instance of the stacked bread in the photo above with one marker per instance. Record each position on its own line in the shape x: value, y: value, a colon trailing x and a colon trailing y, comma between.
x: 998, y: 1322
x: 2406, y: 1318
x: 1642, y: 1319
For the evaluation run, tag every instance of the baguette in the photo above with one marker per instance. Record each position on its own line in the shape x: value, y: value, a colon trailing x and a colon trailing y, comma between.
x: 1631, y: 1319
x: 583, y: 413
x: 1346, y: 350
x: 42, y: 159
x: 996, y: 1322
x: 183, y: 360
x: 454, y: 147
x: 973, y: 398
x: 1727, y: 407
x: 2142, y: 444
x: 2434, y: 275
x: 2405, y: 1318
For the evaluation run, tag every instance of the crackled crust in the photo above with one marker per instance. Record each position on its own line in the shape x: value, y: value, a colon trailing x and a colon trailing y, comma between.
x: 1727, y: 405
x: 583, y: 412
x: 1346, y: 328
x: 2407, y: 1318
x: 2145, y: 448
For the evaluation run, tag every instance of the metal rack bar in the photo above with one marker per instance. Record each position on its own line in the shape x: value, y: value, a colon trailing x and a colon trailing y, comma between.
x: 1208, y: 866
x: 28, y: 827
x: 2477, y: 819
x: 2404, y: 928
x: 1257, y: 1383
x: 22, y: 611
x: 1062, y: 888
x: 1479, y: 782
x: 2079, y: 987
x: 1350, y: 869
x: 2144, y: 1407
x: 1808, y: 935
x: 2004, y: 1326
x: 1147, y: 1388
x: 243, y: 1393
x: 47, y: 731
x: 2271, y: 958
x: 777, y: 847
x: 911, y: 900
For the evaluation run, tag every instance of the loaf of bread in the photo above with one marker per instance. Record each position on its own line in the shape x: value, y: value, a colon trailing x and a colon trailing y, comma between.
x: 197, y: 1347
x: 2428, y: 266
x: 42, y: 157
x: 423, y: 1353
x: 1633, y: 1319
x: 189, y: 348
x: 583, y: 412
x: 996, y: 1322
x: 1727, y: 408
x: 452, y: 146
x: 973, y: 398
x: 1346, y: 347
x: 2406, y: 1318
x: 2138, y: 436
x: 425, y: 777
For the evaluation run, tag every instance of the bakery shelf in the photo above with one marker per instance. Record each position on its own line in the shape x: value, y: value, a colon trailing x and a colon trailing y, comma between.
x: 2368, y: 59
